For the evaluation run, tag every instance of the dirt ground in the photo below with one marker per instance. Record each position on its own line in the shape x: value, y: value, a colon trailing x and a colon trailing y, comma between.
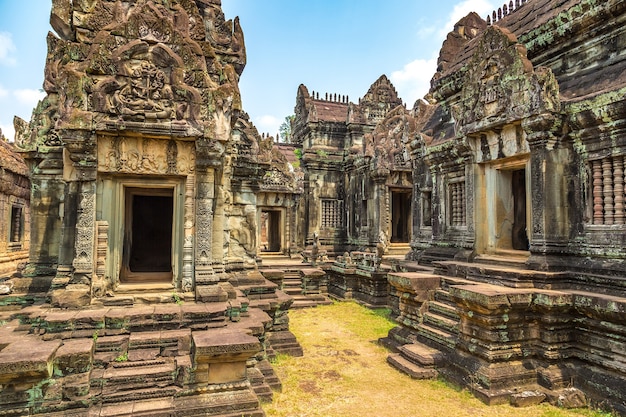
x: 344, y: 373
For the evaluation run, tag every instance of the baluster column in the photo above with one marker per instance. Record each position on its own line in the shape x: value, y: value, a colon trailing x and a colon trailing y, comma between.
x: 598, y: 207
x: 607, y: 177
x: 618, y: 190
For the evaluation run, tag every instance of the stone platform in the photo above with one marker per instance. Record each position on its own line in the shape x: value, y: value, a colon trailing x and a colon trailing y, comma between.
x: 185, y: 359
x: 500, y: 329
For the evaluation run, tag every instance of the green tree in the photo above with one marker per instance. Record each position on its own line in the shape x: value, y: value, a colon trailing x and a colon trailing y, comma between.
x: 284, y: 129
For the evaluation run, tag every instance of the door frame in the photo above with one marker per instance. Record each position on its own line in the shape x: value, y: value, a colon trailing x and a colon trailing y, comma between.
x: 112, y: 194
x: 488, y: 203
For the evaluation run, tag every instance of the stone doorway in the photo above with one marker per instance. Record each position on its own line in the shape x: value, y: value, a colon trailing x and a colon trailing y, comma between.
x: 148, y: 231
x: 271, y: 236
x: 400, y: 216
x: 506, y: 212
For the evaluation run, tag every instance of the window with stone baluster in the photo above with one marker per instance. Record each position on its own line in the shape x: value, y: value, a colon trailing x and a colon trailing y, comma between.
x: 456, y: 204
x: 607, y: 190
x: 332, y: 213
x: 16, y: 225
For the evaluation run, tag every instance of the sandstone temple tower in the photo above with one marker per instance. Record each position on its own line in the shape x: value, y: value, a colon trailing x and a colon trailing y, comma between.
x: 133, y: 161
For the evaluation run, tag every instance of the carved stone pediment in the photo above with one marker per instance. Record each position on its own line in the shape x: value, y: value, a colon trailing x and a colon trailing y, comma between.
x: 502, y: 86
x: 388, y: 143
x: 379, y: 99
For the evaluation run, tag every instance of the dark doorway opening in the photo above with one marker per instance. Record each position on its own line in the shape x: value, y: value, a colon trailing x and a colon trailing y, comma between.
x: 519, y: 238
x: 271, y: 240
x: 148, y: 235
x: 400, y: 217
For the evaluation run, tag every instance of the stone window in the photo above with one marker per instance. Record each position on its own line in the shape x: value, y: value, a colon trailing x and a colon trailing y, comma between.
x: 331, y: 213
x: 16, y: 226
x: 607, y: 189
x: 456, y: 199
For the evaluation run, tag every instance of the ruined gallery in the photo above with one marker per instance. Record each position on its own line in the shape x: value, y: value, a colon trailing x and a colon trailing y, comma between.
x: 164, y: 240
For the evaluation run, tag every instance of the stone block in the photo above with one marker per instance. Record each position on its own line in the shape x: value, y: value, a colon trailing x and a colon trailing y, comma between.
x: 74, y: 356
x: 567, y: 398
x: 527, y: 398
x: 225, y: 352
x: 16, y: 366
x: 72, y: 296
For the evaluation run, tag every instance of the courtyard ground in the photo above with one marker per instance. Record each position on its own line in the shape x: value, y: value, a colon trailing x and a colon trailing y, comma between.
x: 344, y: 373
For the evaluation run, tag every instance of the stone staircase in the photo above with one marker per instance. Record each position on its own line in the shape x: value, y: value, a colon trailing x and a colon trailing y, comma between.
x: 501, y: 329
x: 419, y: 351
x: 294, y: 283
x: 135, y: 360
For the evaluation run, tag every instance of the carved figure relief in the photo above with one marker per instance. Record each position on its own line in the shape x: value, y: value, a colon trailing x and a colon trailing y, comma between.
x: 145, y: 156
x: 503, y: 87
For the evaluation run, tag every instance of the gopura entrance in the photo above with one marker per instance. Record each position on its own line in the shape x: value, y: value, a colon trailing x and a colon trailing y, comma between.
x: 148, y: 224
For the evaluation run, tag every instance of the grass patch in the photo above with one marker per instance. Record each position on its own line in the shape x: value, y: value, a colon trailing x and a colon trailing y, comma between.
x: 344, y: 373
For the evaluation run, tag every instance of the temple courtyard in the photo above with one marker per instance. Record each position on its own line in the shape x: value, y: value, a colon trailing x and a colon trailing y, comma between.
x: 344, y: 373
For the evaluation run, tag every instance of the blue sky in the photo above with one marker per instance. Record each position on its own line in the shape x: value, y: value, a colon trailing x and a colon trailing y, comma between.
x: 334, y: 46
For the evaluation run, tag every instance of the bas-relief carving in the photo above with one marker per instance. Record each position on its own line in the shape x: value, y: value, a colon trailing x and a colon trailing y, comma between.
x: 507, y: 142
x: 502, y: 85
x: 84, y: 244
x: 132, y: 155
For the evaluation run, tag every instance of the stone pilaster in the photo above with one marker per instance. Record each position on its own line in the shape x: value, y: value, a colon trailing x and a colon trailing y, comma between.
x: 550, y: 211
x: 78, y: 240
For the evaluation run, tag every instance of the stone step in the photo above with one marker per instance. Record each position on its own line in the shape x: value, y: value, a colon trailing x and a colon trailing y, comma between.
x: 503, y: 274
x: 258, y: 384
x: 139, y: 394
x: 421, y: 354
x: 443, y: 309
x: 136, y: 377
x: 513, y: 259
x: 414, y: 370
x: 443, y: 297
x: 441, y: 322
x: 270, y: 375
x: 447, y: 281
x: 436, y: 336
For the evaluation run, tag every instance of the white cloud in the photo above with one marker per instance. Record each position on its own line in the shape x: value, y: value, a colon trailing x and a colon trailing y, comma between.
x: 29, y: 97
x: 462, y: 9
x: 267, y: 124
x: 8, y: 131
x: 413, y: 81
x: 3, y: 92
x: 7, y: 47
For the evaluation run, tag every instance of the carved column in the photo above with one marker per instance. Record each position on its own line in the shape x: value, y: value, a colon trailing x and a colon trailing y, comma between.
x: 79, y: 223
x: 550, y: 217
x: 598, y: 206
x: 607, y: 179
x: 382, y: 197
x: 206, y: 279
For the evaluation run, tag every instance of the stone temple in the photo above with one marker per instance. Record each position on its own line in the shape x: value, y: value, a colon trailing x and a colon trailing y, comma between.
x: 167, y: 239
